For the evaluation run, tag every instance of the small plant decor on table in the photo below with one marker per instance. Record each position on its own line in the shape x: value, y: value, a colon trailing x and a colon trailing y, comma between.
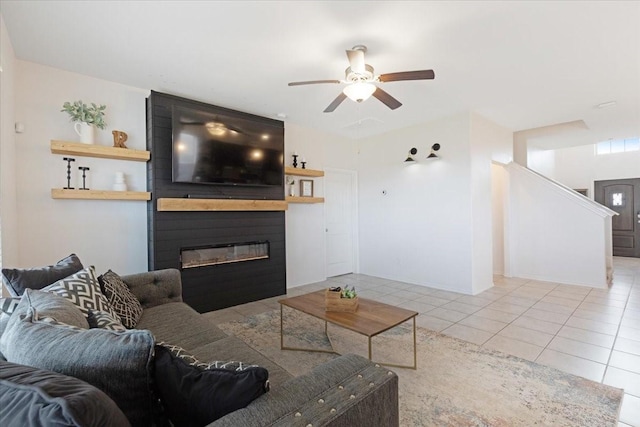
x: 81, y: 112
x: 349, y: 293
x: 339, y: 299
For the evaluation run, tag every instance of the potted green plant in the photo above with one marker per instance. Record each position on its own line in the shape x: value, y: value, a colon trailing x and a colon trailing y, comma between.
x: 86, y: 118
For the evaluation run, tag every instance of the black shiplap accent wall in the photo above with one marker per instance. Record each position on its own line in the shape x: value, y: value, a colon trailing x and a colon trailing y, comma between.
x: 212, y: 287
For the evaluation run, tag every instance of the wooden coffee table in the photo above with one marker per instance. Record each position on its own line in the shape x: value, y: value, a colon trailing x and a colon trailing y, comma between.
x: 371, y: 319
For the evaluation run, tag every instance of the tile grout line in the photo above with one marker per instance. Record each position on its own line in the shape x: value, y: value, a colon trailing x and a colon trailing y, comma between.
x: 616, y: 337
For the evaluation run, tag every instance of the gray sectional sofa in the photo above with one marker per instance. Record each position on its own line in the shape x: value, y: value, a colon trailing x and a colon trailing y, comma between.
x: 346, y: 391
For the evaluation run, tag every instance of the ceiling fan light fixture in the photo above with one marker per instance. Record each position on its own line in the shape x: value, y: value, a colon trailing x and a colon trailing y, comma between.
x: 359, y: 91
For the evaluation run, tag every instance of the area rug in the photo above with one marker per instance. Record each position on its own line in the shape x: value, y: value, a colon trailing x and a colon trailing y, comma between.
x: 456, y: 384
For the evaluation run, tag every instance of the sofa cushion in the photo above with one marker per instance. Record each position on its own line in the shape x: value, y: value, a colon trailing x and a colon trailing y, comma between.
x: 36, y: 397
x: 120, y: 298
x: 50, y: 305
x: 176, y: 322
x: 193, y: 396
x: 83, y: 290
x: 118, y: 363
x: 17, y: 280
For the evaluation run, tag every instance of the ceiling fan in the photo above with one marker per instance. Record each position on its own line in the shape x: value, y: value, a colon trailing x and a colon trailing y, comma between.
x: 360, y: 77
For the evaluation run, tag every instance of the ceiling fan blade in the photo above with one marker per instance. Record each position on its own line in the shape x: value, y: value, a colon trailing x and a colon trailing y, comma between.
x: 407, y: 75
x: 313, y: 82
x: 335, y: 103
x: 356, y: 60
x: 386, y: 99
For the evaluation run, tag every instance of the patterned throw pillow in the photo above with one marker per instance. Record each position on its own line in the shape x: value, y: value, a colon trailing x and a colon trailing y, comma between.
x: 121, y: 299
x: 83, y: 290
x: 103, y: 320
x: 8, y: 305
x: 233, y: 365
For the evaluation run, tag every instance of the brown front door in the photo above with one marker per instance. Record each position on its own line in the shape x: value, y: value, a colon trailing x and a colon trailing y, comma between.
x: 622, y: 196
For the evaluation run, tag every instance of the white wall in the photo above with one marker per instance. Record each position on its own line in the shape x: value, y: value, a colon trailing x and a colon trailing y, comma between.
x: 433, y: 227
x: 107, y: 234
x: 305, y: 223
x: 579, y: 167
x: 488, y: 142
x: 8, y: 208
x: 420, y: 230
x: 554, y: 234
x: 542, y: 161
x: 498, y: 199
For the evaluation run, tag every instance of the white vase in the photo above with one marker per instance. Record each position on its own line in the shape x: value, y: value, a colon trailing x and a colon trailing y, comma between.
x: 86, y: 132
x: 120, y: 184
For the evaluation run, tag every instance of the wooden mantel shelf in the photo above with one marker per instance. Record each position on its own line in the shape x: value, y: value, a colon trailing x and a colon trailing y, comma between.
x: 302, y: 172
x: 175, y: 205
x: 59, y: 193
x: 100, y: 151
x: 295, y: 199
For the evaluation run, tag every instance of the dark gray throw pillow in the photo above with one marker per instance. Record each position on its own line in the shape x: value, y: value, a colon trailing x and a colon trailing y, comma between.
x: 17, y: 280
x: 36, y: 397
x: 118, y: 363
x: 192, y: 396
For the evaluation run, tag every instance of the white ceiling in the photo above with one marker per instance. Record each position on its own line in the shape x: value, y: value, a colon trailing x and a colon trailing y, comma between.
x: 521, y: 64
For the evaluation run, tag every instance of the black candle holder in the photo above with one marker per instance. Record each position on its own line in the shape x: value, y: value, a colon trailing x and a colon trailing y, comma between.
x: 295, y: 160
x: 68, y: 160
x: 304, y: 165
x: 84, y: 170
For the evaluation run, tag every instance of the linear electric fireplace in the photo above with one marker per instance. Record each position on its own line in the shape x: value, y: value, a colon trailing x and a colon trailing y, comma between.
x: 223, y: 254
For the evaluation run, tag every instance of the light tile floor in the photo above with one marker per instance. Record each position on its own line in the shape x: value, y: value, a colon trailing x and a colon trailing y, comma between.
x: 593, y: 333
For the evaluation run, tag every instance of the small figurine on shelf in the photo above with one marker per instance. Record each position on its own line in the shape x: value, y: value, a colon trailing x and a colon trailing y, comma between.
x: 295, y: 159
x: 304, y: 163
x: 120, y: 184
x: 84, y: 170
x: 119, y: 138
x: 68, y: 160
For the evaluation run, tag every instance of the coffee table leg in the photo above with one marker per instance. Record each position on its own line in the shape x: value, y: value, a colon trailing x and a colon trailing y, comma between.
x: 281, y: 328
x: 415, y: 352
x: 415, y: 347
x: 283, y: 347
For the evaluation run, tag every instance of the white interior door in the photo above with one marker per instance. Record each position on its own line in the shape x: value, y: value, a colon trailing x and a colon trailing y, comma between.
x: 340, y: 209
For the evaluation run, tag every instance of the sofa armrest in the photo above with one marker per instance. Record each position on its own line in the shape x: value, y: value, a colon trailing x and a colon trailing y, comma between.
x: 346, y: 391
x: 156, y: 287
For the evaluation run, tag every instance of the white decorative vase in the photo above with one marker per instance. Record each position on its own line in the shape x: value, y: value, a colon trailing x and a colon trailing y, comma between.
x: 120, y: 184
x: 86, y: 132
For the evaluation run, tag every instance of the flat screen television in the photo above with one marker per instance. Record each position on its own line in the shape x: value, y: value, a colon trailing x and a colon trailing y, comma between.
x: 222, y: 149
